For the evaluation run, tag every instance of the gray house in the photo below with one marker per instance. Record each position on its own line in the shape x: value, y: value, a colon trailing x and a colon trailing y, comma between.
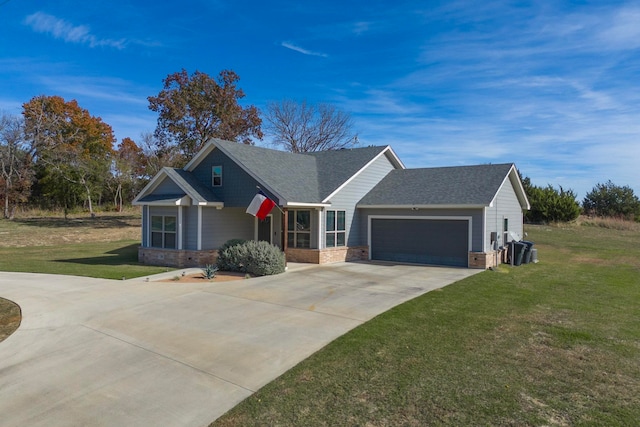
x: 343, y: 205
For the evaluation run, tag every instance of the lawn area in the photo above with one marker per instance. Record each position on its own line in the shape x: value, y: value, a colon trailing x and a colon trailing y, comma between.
x: 555, y: 343
x: 105, y: 246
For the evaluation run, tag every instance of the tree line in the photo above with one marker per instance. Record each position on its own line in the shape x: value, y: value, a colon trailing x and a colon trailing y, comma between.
x: 56, y: 155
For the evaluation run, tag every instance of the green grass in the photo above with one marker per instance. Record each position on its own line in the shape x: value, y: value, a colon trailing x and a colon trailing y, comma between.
x: 553, y: 343
x: 108, y: 260
x: 105, y: 246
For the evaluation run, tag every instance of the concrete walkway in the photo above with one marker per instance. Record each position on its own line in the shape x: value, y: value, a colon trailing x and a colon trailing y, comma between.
x: 93, y: 352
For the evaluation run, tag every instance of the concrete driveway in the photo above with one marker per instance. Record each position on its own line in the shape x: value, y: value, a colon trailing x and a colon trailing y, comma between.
x: 93, y: 352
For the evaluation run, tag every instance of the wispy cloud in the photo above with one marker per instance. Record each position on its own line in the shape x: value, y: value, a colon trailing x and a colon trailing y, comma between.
x: 60, y: 29
x: 302, y: 50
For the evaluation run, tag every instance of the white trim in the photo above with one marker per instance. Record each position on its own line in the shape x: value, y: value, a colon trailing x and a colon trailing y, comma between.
x: 148, y: 226
x: 256, y: 225
x: 418, y: 207
x: 306, y: 205
x: 469, y: 219
x: 199, y: 242
x: 484, y: 229
x: 210, y: 146
x: 179, y: 229
x: 388, y: 149
x: 521, y: 195
x: 321, y: 243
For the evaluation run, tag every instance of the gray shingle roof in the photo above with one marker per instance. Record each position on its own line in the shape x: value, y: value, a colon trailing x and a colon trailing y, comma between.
x: 194, y: 188
x: 307, y: 178
x: 453, y: 186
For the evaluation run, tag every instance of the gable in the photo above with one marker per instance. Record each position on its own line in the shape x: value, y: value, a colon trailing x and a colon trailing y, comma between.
x: 462, y: 186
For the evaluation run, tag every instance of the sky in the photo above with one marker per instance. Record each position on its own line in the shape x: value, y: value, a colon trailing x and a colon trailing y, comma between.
x: 552, y: 86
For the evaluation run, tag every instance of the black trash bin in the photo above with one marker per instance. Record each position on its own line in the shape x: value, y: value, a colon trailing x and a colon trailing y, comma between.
x: 518, y: 252
x: 526, y: 258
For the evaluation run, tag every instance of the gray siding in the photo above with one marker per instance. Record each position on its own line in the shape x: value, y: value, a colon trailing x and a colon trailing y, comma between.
x: 505, y: 205
x: 167, y: 186
x: 347, y: 198
x: 475, y: 214
x: 220, y: 225
x: 238, y: 187
x: 190, y: 227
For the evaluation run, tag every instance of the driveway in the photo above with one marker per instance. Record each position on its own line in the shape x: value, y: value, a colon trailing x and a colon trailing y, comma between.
x: 111, y: 353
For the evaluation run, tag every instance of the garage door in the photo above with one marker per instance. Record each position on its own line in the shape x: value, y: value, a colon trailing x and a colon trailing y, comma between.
x: 421, y: 241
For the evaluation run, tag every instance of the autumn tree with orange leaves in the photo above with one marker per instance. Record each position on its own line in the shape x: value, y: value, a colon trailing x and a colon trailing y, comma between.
x: 72, y: 150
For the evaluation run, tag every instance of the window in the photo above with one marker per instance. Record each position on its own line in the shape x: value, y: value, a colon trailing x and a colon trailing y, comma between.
x: 163, y: 232
x: 216, y: 176
x: 299, y: 229
x: 335, y: 232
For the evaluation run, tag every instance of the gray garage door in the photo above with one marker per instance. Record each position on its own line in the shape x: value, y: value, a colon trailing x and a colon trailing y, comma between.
x: 422, y: 241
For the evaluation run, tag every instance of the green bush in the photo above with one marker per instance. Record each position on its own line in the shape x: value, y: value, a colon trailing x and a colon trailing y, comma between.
x: 257, y: 258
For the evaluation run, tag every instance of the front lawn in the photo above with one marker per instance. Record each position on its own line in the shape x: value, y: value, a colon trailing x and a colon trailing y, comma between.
x: 104, y: 247
x: 553, y: 343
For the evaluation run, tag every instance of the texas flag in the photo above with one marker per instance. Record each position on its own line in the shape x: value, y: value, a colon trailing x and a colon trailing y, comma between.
x: 260, y: 206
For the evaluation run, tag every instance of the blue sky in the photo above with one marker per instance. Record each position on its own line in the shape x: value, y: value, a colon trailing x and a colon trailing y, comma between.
x: 553, y: 86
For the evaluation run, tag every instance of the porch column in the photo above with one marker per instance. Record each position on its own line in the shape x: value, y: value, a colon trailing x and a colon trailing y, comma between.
x: 285, y: 231
x: 320, y: 229
x: 179, y: 231
x: 199, y: 243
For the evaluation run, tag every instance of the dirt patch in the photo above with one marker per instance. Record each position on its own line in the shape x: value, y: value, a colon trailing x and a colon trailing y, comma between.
x: 10, y: 318
x: 221, y: 276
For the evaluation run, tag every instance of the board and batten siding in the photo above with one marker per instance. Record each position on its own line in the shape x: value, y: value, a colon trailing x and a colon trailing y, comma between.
x: 475, y: 214
x: 505, y: 205
x: 347, y: 198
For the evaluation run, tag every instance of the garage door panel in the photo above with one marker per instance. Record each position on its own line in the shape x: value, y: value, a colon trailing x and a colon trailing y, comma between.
x: 424, y: 241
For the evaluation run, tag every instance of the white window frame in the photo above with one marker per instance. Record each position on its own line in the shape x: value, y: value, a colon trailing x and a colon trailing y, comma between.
x: 335, y: 232
x: 296, y: 232
x: 214, y: 175
x: 164, y: 231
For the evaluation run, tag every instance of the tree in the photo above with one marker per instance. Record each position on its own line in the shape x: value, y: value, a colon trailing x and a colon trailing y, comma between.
x: 128, y: 168
x: 549, y: 204
x: 71, y: 148
x: 612, y: 200
x: 301, y: 127
x: 16, y: 171
x: 193, y: 109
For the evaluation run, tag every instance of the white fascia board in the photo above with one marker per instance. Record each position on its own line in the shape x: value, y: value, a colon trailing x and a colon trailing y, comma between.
x: 183, y: 201
x: 213, y: 204
x: 193, y: 163
x: 155, y: 181
x: 305, y: 205
x: 394, y: 160
x: 204, y: 152
x: 518, y: 189
x: 420, y: 206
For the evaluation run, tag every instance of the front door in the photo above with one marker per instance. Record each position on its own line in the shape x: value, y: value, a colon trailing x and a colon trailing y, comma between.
x: 265, y: 229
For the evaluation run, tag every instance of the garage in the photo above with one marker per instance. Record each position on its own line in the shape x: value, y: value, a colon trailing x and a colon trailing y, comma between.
x: 420, y: 240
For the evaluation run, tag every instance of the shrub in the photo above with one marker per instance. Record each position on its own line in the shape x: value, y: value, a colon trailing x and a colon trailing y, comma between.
x: 551, y: 205
x: 610, y: 200
x: 257, y: 258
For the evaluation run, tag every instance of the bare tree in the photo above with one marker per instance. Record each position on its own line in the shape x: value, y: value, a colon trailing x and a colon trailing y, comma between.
x: 16, y: 168
x: 300, y: 127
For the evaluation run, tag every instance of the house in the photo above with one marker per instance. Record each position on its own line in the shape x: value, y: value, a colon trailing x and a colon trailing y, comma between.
x: 342, y: 205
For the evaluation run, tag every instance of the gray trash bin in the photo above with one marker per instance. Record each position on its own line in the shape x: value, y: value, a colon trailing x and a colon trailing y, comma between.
x: 518, y: 250
x: 526, y: 258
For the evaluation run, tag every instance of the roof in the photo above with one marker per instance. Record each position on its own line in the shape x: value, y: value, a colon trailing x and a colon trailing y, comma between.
x: 297, y: 177
x: 199, y: 193
x: 443, y: 186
